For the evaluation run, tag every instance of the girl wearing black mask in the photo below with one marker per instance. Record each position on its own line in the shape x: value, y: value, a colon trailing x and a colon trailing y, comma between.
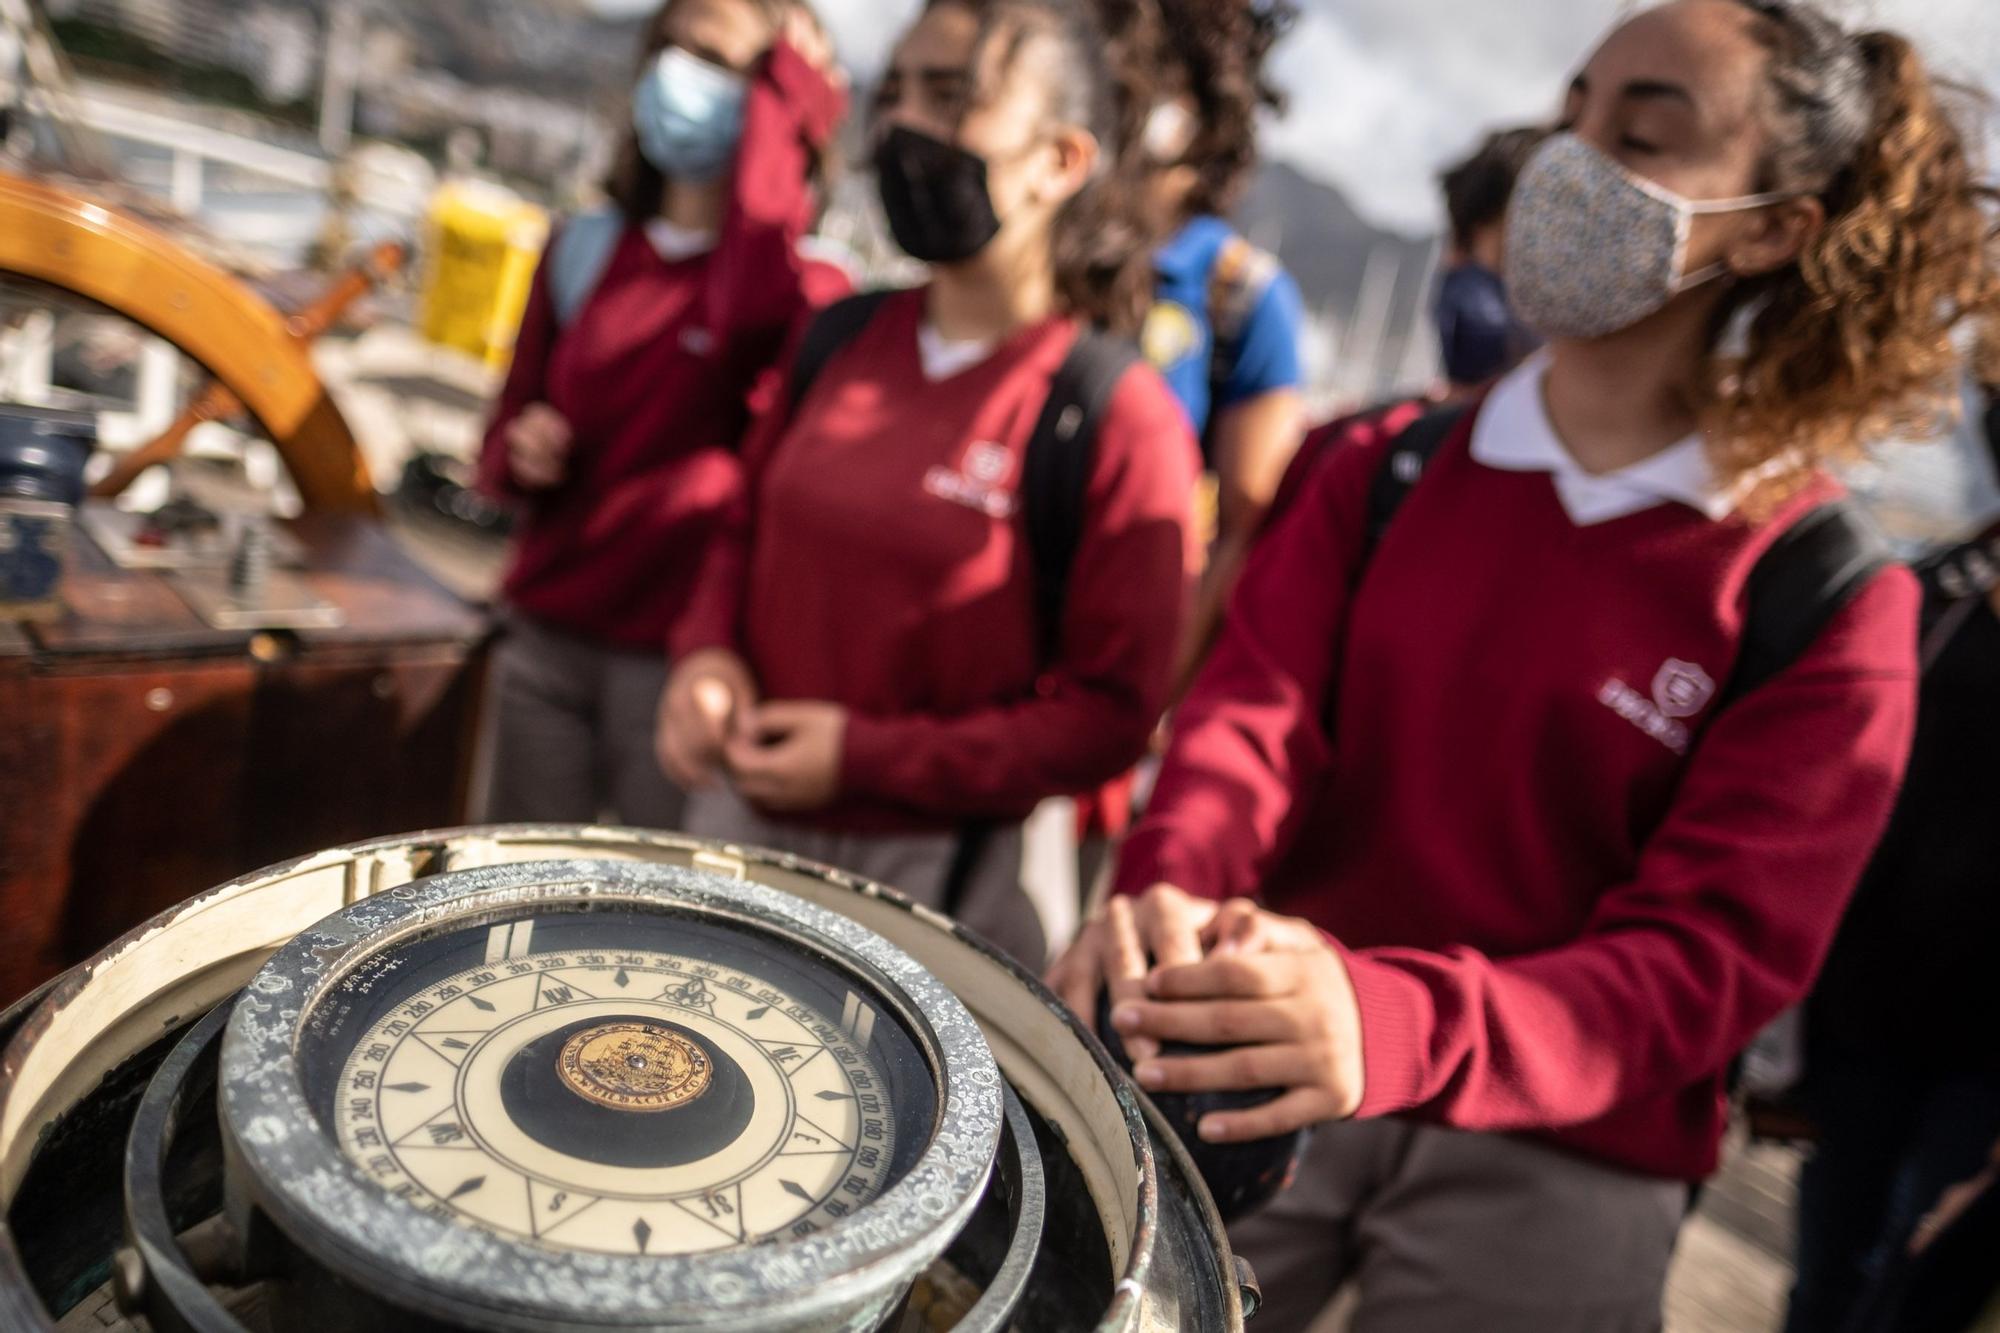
x: 875, y: 673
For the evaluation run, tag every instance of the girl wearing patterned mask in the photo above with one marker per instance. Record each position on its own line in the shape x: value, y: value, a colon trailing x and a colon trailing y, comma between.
x: 1544, y: 746
x: 955, y: 581
x: 616, y: 434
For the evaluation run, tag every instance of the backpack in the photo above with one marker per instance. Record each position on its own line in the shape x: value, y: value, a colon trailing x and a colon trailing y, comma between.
x: 1056, y: 470
x: 578, y: 257
x: 1236, y: 287
x: 1807, y: 577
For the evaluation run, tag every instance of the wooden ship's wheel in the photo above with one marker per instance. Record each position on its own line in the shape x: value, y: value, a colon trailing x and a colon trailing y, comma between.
x: 258, y: 358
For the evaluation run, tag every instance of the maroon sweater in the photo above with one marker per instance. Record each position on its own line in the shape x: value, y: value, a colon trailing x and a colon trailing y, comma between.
x: 1554, y: 921
x: 879, y: 561
x: 655, y: 375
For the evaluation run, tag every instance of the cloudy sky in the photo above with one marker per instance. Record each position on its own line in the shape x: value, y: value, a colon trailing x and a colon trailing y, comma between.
x: 1385, y: 91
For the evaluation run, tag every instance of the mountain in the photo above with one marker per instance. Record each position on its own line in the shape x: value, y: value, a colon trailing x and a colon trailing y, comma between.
x: 1321, y: 237
x: 1370, y: 343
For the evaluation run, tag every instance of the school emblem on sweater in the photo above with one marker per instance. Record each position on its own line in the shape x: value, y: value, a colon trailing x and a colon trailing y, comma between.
x: 980, y: 482
x: 1682, y: 689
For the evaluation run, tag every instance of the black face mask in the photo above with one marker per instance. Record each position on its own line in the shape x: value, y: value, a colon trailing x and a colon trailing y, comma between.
x: 936, y: 197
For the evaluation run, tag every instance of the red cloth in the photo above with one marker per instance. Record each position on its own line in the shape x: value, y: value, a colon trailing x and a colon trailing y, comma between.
x: 655, y: 377
x: 887, y: 570
x: 1554, y: 921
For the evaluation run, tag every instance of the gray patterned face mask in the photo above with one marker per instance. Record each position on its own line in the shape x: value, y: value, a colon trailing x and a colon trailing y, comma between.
x: 1593, y: 249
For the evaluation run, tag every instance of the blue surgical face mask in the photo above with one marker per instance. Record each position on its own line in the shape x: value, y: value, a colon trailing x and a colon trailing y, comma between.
x: 688, y: 115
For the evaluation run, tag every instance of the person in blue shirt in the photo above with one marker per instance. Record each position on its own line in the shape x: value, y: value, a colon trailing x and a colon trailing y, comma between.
x: 1227, y: 318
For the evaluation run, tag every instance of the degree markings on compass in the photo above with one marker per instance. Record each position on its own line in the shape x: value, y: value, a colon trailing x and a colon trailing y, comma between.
x: 509, y: 940
x: 501, y: 996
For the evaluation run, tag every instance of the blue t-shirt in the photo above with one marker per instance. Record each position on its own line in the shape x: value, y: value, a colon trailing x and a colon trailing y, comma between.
x: 1180, y: 339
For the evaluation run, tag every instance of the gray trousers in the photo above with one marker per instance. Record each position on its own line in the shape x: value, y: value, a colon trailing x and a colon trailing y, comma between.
x: 571, y: 725
x: 992, y: 901
x: 1450, y: 1232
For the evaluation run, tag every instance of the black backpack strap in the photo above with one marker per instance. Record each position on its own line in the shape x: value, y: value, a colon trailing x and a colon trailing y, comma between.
x: 1808, y: 577
x: 1055, y: 475
x: 1400, y: 471
x: 831, y: 329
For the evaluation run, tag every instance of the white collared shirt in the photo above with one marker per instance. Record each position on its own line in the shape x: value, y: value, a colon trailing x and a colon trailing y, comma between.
x: 944, y: 357
x: 673, y: 242
x: 1514, y: 434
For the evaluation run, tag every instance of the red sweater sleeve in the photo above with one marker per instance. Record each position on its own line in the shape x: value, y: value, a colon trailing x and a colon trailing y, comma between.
x: 758, y: 283
x: 1093, y: 710
x: 527, y: 382
x: 1727, y: 918
x: 1248, y: 737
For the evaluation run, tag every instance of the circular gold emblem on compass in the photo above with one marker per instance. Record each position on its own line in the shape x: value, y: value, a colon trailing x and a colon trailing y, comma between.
x: 634, y: 1067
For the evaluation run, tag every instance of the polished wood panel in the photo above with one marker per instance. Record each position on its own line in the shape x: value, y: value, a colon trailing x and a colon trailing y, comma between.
x: 145, y: 757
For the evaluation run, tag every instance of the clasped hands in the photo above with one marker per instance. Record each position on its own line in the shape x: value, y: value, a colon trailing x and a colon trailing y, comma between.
x: 780, y: 756
x: 1269, y: 991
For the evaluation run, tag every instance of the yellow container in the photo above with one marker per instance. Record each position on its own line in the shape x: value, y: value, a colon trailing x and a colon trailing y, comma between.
x: 484, y: 245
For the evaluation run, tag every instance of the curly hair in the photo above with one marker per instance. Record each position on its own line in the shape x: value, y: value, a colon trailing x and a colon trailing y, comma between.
x: 1855, y: 342
x: 1220, y: 48
x: 1102, y: 243
x: 635, y: 186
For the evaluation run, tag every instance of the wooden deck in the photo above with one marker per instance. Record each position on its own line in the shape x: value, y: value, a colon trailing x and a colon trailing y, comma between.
x: 1732, y: 1270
